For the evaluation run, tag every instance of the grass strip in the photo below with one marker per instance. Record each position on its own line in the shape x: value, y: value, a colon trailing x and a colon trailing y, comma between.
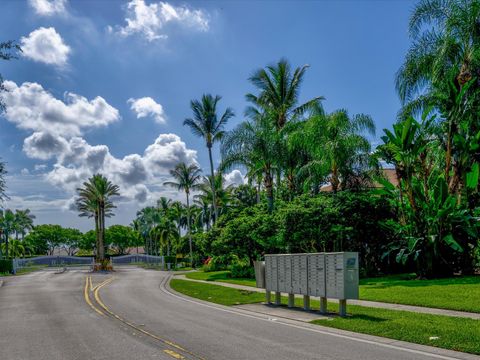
x: 451, y: 333
x: 216, y: 293
x: 220, y: 276
x: 457, y: 293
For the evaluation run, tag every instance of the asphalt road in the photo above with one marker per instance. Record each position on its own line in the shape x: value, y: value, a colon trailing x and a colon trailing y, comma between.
x: 44, y: 315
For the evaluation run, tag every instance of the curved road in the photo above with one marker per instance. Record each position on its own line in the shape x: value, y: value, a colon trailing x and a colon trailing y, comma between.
x: 44, y: 315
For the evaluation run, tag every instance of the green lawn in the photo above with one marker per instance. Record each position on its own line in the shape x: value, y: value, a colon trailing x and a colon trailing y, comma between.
x: 447, y: 332
x: 461, y: 293
x: 216, y: 293
x: 221, y: 276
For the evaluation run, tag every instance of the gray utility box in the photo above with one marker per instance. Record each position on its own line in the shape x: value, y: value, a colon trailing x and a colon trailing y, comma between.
x: 259, y: 274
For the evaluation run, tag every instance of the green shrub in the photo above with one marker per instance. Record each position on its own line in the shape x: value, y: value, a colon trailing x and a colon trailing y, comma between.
x: 6, y: 266
x: 243, y: 271
x: 170, y: 259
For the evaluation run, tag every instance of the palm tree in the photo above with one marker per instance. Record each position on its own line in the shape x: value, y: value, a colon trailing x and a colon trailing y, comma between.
x: 446, y: 41
x: 442, y: 63
x: 254, y: 144
x: 207, y: 125
x: 187, y: 178
x: 337, y: 143
x: 279, y: 93
x: 222, y: 197
x: 24, y: 222
x: 15, y: 249
x: 7, y: 226
x: 94, y: 200
x: 278, y: 99
x: 147, y: 219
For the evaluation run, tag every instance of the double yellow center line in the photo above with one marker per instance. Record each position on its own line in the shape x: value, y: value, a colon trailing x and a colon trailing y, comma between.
x: 106, y: 311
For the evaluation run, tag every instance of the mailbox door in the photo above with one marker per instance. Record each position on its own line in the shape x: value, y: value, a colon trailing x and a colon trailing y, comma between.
x: 316, y: 275
x: 295, y: 274
x: 288, y: 274
x: 268, y: 272
x: 281, y: 272
x: 335, y: 276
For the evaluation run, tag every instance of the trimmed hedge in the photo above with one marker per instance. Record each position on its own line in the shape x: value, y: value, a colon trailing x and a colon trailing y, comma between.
x: 6, y: 266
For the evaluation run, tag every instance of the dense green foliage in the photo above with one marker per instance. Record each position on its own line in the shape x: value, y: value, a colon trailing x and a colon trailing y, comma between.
x: 345, y: 221
x: 6, y: 266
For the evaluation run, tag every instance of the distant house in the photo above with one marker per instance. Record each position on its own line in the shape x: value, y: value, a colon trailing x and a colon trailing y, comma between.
x: 389, y: 174
x: 135, y: 250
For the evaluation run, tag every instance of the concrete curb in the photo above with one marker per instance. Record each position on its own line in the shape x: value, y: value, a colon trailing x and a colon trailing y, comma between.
x: 431, y: 351
x: 366, y: 303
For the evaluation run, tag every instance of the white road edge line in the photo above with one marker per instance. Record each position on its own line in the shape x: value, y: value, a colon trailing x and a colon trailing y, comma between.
x: 164, y: 289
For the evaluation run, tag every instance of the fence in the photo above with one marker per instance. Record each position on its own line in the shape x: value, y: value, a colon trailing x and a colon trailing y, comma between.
x: 139, y: 258
x: 52, y: 261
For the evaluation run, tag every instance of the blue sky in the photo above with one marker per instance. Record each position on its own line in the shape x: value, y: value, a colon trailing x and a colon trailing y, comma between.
x: 160, y: 55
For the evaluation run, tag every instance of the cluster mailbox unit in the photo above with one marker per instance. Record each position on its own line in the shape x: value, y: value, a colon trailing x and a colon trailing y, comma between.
x: 323, y: 275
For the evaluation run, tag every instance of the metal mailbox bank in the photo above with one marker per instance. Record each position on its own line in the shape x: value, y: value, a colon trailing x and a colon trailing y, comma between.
x: 323, y: 275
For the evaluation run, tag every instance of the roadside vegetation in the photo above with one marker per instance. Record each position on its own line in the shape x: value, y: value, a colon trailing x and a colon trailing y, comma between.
x: 452, y: 333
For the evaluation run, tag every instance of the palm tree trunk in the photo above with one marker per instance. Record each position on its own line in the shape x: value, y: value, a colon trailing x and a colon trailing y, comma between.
x: 335, y: 180
x: 214, y: 195
x: 269, y: 190
x: 189, y: 230
x: 101, y: 246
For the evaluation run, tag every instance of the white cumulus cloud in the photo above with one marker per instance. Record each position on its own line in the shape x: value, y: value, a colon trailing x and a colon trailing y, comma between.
x: 135, y: 174
x: 55, y: 133
x: 31, y: 107
x: 45, y: 45
x: 146, y: 106
x: 150, y: 20
x: 235, y: 177
x: 48, y: 7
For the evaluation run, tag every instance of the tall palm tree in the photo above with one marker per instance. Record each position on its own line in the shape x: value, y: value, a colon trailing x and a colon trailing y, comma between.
x: 7, y: 226
x: 254, y: 144
x: 94, y: 200
x: 209, y: 126
x: 279, y: 91
x: 446, y: 41
x: 278, y: 99
x: 442, y: 63
x: 187, y: 178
